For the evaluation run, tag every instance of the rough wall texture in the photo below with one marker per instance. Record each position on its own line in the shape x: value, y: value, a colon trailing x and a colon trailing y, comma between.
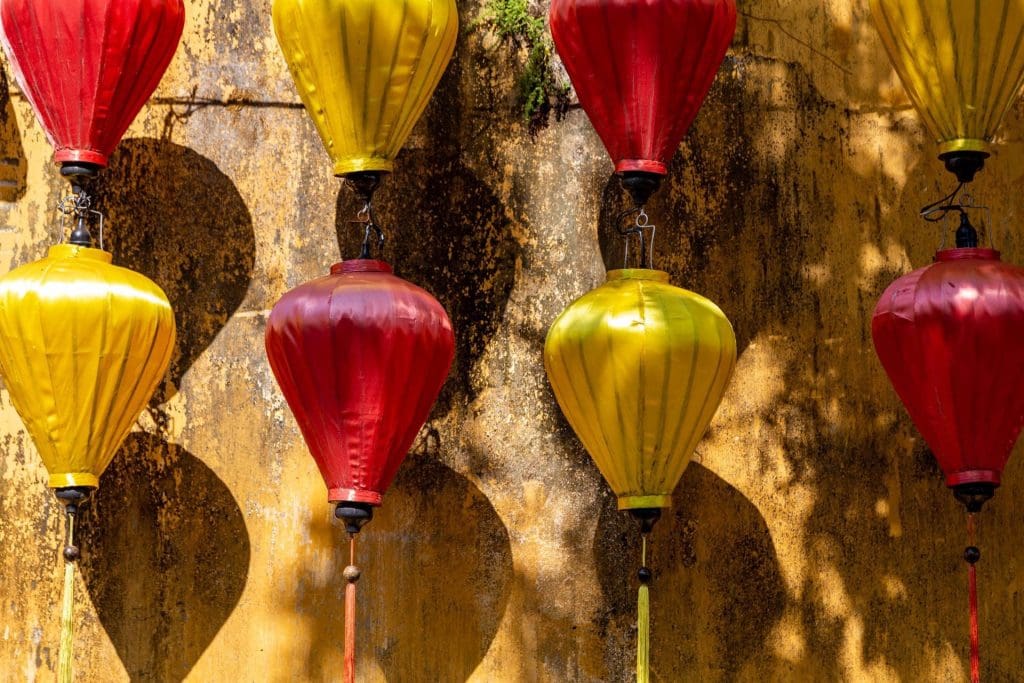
x: 812, y: 538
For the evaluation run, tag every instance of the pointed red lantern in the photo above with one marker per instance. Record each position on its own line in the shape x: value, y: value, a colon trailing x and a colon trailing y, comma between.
x: 360, y: 356
x: 88, y: 66
x: 949, y: 337
x: 641, y: 70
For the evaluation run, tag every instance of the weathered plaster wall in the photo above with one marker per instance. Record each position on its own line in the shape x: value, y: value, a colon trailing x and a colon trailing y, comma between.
x: 812, y: 538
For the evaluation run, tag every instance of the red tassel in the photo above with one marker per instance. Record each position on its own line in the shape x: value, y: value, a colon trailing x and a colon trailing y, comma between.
x: 972, y: 579
x: 972, y: 555
x: 351, y: 576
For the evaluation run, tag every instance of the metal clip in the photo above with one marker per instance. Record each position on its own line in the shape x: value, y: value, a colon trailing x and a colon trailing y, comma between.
x: 79, y: 205
x: 640, y: 224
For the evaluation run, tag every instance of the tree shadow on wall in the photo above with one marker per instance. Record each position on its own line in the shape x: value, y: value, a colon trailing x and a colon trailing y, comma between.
x: 437, y: 568
x: 717, y: 591
x: 165, y: 557
x: 176, y: 218
x: 796, y: 257
x: 13, y: 165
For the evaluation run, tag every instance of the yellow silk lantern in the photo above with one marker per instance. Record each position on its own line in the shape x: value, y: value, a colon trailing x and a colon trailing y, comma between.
x: 961, y: 62
x: 365, y: 70
x: 639, y: 367
x: 83, y: 344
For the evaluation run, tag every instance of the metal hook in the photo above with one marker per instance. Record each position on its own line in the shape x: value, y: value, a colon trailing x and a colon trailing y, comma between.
x: 368, y: 220
x: 640, y: 224
x: 364, y: 184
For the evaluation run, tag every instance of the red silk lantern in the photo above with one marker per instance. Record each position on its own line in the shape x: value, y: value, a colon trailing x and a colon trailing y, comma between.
x: 949, y: 337
x: 88, y: 66
x: 641, y: 69
x: 360, y: 356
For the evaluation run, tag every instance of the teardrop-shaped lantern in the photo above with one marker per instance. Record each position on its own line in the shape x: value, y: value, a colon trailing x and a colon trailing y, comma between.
x: 641, y: 70
x: 639, y: 367
x: 360, y: 356
x: 365, y: 70
x: 88, y: 66
x: 949, y: 337
x: 962, y: 65
x: 83, y: 345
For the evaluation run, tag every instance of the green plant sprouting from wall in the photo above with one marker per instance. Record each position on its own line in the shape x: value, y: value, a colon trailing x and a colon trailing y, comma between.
x: 539, y: 91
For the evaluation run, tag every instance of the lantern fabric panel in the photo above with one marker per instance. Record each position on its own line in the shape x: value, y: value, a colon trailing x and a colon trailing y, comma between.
x: 961, y: 63
x: 948, y: 335
x: 360, y: 356
x: 365, y: 69
x: 83, y: 345
x: 641, y: 69
x: 88, y: 66
x: 639, y: 367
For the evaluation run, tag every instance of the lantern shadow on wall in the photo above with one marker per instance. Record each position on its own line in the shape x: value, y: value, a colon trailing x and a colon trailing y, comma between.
x: 175, y: 217
x: 433, y: 591
x: 446, y: 232
x: 165, y: 557
x: 13, y: 166
x: 717, y: 585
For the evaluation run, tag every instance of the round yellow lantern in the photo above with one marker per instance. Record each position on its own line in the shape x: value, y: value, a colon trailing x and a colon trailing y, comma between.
x: 83, y: 345
x: 639, y: 368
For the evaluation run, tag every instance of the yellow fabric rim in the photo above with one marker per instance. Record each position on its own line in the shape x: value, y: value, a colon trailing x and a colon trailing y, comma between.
x: 367, y: 164
x: 75, y: 251
x: 963, y: 145
x: 65, y: 479
x: 636, y: 502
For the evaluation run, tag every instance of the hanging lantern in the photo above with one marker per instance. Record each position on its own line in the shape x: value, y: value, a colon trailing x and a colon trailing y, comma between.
x: 365, y: 69
x: 360, y: 356
x: 641, y: 70
x: 948, y: 336
x: 83, y: 345
x: 88, y: 66
x: 639, y: 368
x: 962, y: 66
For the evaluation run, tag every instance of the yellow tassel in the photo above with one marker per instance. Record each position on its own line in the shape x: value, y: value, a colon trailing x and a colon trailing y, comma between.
x: 643, y: 636
x: 67, y: 613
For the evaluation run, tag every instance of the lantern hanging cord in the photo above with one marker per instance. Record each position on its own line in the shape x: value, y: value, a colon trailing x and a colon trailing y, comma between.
x: 640, y: 224
x: 71, y: 554
x: 78, y: 206
x: 352, y: 573
x: 937, y: 210
x: 364, y: 186
x: 971, y: 555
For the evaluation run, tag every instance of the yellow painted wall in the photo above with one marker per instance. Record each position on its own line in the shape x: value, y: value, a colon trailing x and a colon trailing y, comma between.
x: 812, y: 538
